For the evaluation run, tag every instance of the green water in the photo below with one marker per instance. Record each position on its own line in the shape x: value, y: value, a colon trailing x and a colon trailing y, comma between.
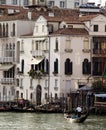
x: 35, y: 121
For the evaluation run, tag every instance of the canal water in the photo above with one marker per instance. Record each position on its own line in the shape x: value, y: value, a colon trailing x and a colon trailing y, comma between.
x: 38, y: 121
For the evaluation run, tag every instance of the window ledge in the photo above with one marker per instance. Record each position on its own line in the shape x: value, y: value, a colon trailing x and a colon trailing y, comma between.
x: 46, y: 88
x: 31, y: 87
x: 55, y: 73
x: 46, y: 51
x: 21, y: 51
x: 21, y: 87
x: 56, y: 50
x: 86, y: 50
x: 68, y: 50
x: 56, y: 88
x: 69, y: 74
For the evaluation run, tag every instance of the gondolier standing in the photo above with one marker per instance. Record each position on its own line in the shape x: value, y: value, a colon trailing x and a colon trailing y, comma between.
x: 78, y: 111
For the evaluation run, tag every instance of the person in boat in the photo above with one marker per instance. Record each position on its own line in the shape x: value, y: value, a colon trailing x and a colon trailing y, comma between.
x: 78, y: 111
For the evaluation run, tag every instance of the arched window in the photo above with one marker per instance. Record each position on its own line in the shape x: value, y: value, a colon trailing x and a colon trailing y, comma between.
x: 47, y: 66
x: 17, y: 94
x: 22, y: 95
x: 10, y: 50
x: 31, y: 96
x: 68, y: 67
x: 0, y: 30
x: 7, y: 50
x: 86, y: 67
x: 7, y: 30
x: 56, y: 66
x: 46, y: 95
x: 56, y: 96
x: 4, y: 90
x: 3, y: 29
x: 13, y: 46
x: 22, y: 66
x: 37, y: 45
x: 13, y: 29
x: 56, y: 44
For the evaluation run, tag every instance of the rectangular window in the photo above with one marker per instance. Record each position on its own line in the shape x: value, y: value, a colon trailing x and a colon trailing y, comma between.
x: 46, y: 83
x: 68, y: 86
x: 62, y: 4
x: 22, y: 46
x: 25, y: 2
x: 36, y: 45
x: 14, y: 2
x: 86, y: 44
x: 56, y: 44
x: 42, y: 28
x: 12, y: 91
x: 50, y: 28
x: 32, y: 45
x: 76, y: 4
x: 3, y: 2
x: 68, y: 44
x: 51, y: 3
x: 21, y: 83
x: 95, y: 28
x: 56, y: 82
x: 46, y: 95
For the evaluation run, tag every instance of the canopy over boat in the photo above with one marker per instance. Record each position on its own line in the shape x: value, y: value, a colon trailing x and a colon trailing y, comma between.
x: 100, y: 95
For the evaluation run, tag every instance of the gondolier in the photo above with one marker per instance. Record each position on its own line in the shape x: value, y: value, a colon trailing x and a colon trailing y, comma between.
x: 78, y: 111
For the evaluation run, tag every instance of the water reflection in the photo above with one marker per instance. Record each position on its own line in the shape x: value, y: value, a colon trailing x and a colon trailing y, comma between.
x: 34, y: 121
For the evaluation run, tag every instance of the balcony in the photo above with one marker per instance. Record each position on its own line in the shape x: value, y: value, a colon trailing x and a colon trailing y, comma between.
x: 99, y: 51
x: 7, y: 60
x: 8, y: 81
x: 37, y: 53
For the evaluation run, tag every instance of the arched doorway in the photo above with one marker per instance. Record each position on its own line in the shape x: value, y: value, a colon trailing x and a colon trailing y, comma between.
x: 38, y: 95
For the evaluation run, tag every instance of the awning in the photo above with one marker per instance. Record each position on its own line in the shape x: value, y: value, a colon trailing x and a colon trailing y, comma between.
x: 85, y: 88
x: 5, y: 67
x: 36, y: 61
x: 100, y: 95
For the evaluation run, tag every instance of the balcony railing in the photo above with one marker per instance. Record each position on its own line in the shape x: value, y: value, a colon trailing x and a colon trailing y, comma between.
x: 7, y: 81
x: 99, y: 51
x: 37, y: 53
x: 7, y: 60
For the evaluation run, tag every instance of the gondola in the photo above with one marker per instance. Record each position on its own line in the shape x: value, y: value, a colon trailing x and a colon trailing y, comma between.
x: 75, y: 118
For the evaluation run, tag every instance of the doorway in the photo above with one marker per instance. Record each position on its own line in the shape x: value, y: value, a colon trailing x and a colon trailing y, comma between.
x: 38, y: 95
